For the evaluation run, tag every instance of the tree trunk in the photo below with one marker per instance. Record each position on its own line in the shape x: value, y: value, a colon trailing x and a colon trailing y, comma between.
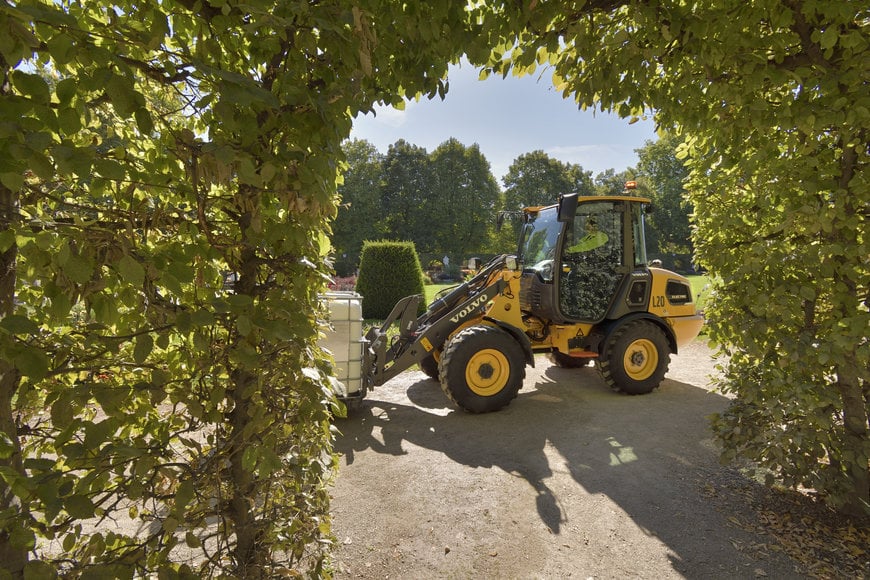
x: 12, y: 558
x: 248, y: 561
x: 855, y: 421
x: 849, y: 380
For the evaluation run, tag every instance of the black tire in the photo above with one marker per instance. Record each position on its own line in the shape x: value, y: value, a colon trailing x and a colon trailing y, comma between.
x: 635, y: 358
x: 566, y: 361
x: 482, y: 369
x: 430, y: 366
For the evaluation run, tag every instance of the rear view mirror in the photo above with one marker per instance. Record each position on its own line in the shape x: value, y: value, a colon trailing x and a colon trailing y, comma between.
x: 567, y: 207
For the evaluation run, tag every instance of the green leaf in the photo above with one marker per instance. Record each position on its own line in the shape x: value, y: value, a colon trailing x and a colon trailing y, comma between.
x: 62, y: 411
x: 131, y: 270
x: 69, y: 542
x: 248, y: 173
x: 78, y: 269
x: 183, y: 495
x: 17, y: 42
x: 22, y: 538
x: 159, y: 377
x: 121, y: 93
x: 79, y: 506
x: 17, y: 324
x: 13, y: 181
x: 240, y: 301
x: 184, y: 272
x: 32, y: 85
x: 191, y: 540
x: 202, y: 318
x: 32, y: 362
x: 110, y: 169
x: 143, y: 348
x: 62, y: 48
x: 170, y: 524
x: 66, y: 90
x: 144, y: 121
x: 269, y: 463
x: 243, y: 325
x: 41, y: 165
x: 250, y: 457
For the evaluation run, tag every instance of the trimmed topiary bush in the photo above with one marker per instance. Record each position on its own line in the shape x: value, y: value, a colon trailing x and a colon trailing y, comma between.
x: 388, y: 271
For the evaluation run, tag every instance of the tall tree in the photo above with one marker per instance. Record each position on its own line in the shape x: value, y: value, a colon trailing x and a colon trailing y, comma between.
x: 610, y: 182
x: 669, y: 230
x: 360, y: 211
x: 773, y: 102
x: 406, y: 192
x: 464, y: 199
x: 537, y: 179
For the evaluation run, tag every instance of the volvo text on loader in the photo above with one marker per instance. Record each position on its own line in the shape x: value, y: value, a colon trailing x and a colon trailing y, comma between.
x: 579, y: 288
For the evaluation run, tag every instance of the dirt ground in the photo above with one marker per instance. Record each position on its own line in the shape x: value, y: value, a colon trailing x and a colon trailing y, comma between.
x: 570, y: 481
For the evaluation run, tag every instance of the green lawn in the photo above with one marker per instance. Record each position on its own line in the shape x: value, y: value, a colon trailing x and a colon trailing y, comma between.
x: 699, y: 289
x: 432, y: 289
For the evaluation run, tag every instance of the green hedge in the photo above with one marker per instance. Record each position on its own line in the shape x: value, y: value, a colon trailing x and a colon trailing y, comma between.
x: 388, y: 271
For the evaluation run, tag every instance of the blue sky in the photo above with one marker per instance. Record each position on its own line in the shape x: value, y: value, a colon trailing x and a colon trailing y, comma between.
x: 509, y: 117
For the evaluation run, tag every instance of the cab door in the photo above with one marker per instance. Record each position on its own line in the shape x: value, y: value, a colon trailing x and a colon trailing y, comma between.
x: 591, y: 272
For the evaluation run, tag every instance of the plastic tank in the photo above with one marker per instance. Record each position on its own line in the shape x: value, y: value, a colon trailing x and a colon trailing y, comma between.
x: 345, y: 340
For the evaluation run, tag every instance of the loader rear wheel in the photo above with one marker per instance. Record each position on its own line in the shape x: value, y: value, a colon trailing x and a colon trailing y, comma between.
x: 635, y: 358
x: 429, y: 365
x: 482, y: 369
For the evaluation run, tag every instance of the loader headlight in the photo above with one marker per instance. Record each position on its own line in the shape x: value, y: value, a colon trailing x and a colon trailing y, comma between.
x: 511, y: 263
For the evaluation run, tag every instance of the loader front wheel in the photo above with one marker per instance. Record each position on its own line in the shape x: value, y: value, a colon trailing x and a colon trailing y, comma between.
x: 482, y: 369
x: 635, y: 358
x: 429, y: 365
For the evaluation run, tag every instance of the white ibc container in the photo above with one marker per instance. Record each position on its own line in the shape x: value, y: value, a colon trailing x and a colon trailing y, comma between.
x: 345, y: 339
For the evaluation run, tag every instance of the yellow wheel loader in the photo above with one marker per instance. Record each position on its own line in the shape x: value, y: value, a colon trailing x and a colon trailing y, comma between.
x: 579, y: 288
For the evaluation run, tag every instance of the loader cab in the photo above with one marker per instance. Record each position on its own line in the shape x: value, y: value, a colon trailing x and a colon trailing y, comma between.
x: 581, y: 256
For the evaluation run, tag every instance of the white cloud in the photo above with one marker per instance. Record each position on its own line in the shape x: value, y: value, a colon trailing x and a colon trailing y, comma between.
x: 597, y: 157
x: 388, y: 116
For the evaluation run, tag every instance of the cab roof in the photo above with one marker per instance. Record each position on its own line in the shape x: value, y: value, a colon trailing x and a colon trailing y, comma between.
x: 592, y: 199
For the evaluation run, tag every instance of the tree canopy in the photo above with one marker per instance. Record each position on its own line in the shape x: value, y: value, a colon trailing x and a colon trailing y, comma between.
x: 452, y: 211
x: 535, y: 178
x: 664, y: 175
x: 150, y: 149
x: 167, y: 176
x: 360, y: 215
x: 465, y: 199
x: 444, y: 201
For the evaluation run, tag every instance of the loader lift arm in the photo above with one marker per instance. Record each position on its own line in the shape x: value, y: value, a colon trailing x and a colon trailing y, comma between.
x: 419, y: 336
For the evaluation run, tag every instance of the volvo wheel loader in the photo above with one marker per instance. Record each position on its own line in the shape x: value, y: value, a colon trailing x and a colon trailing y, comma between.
x: 579, y: 288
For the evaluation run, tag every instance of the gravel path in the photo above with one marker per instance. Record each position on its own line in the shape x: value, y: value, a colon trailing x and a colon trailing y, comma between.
x: 570, y: 480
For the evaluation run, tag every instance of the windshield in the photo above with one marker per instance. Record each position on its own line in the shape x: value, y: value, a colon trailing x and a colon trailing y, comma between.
x: 539, y: 237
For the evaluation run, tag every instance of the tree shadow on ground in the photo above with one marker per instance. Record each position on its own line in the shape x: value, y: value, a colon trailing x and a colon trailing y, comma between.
x: 652, y: 455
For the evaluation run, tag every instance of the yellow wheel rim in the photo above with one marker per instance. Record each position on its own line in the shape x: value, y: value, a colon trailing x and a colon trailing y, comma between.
x: 487, y: 372
x: 641, y: 359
